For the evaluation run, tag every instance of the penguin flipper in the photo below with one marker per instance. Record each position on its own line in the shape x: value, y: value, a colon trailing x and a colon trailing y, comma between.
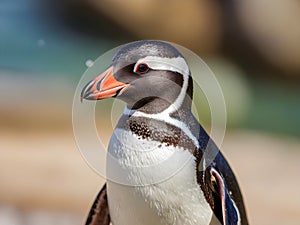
x: 228, y: 210
x: 99, y: 212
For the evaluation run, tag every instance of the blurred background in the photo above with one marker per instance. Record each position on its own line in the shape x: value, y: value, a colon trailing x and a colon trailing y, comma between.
x: 253, y: 47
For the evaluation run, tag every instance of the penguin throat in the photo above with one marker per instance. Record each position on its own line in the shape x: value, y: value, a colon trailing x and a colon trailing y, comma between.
x: 157, y: 106
x: 151, y: 105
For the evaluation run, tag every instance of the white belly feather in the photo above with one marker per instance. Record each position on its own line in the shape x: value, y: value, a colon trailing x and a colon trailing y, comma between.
x: 164, y: 191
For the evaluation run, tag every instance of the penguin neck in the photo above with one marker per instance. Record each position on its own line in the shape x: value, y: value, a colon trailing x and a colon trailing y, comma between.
x: 179, y: 116
x: 182, y: 119
x: 163, y: 106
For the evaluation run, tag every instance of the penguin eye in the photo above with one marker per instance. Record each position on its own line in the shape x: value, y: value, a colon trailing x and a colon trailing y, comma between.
x: 142, y: 68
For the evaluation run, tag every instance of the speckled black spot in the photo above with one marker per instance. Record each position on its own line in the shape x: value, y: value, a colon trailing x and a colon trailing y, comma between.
x: 159, y: 131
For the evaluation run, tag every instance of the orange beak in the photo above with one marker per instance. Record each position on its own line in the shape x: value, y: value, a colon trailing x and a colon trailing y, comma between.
x: 103, y: 86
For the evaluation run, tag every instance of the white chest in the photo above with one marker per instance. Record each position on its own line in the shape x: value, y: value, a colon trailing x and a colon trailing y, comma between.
x: 150, y: 183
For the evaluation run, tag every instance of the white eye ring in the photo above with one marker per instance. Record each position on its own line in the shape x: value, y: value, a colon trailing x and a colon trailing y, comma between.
x: 141, y: 68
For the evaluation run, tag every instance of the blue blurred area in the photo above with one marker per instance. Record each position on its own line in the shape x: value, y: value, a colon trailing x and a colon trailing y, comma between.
x: 33, y: 41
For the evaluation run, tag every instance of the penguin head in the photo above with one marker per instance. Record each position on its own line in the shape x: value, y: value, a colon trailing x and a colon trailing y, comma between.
x: 147, y: 75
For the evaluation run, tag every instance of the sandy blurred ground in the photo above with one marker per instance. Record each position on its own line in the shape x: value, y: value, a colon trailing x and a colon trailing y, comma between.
x: 44, y: 178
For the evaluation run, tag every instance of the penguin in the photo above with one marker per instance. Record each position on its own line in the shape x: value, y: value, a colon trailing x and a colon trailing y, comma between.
x: 163, y: 168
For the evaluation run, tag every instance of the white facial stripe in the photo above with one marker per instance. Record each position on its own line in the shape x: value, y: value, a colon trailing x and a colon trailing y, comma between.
x: 171, y: 64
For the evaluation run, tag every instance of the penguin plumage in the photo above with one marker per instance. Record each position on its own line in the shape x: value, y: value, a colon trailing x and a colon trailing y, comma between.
x: 163, y: 168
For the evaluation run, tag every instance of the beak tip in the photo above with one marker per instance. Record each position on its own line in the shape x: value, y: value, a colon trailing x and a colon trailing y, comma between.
x: 82, y: 96
x: 86, y: 91
x: 88, y: 96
